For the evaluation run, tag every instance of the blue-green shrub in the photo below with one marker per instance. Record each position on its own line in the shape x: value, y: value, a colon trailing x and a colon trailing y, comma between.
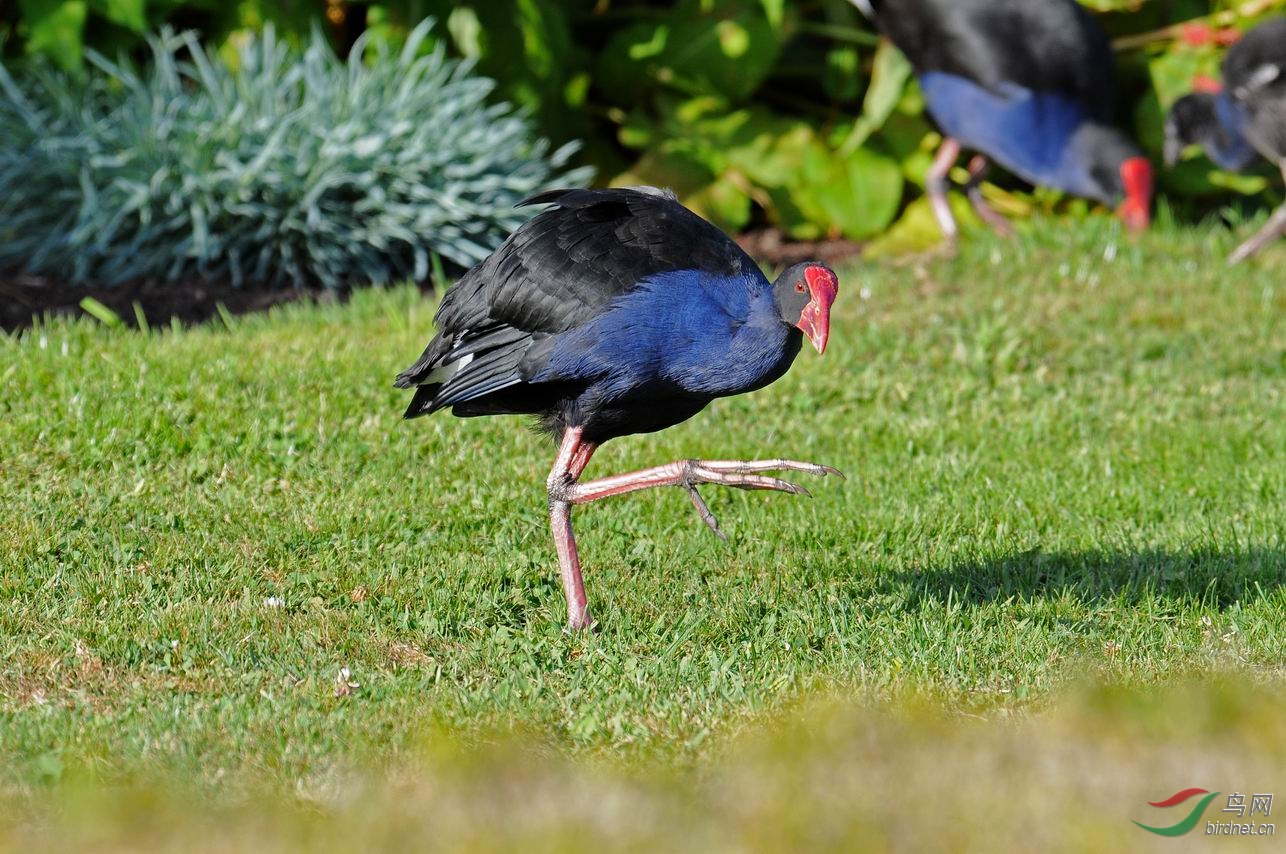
x: 273, y: 168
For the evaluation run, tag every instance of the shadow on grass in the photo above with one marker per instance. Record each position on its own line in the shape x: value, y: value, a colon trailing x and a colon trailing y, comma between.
x: 1212, y: 576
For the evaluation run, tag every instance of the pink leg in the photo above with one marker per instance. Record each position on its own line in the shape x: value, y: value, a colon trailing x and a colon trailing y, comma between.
x: 564, y: 491
x: 936, y: 184
x: 573, y: 456
x: 978, y: 169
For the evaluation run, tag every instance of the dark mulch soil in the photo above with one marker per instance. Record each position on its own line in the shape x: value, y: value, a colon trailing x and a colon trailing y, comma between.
x: 25, y: 299
x: 769, y: 246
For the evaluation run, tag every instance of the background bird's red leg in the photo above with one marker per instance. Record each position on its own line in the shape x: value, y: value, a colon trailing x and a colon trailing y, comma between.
x: 936, y: 185
x: 979, y: 166
x: 573, y: 456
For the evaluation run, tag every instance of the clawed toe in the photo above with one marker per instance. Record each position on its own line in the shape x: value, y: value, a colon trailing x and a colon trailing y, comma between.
x: 737, y: 480
x: 703, y: 510
x: 744, y: 475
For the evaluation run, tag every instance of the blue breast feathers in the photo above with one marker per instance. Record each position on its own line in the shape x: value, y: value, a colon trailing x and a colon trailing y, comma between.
x: 1229, y: 149
x: 1029, y: 133
x: 686, y: 331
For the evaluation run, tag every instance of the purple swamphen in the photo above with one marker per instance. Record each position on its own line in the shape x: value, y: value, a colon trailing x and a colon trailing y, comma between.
x: 1243, y: 120
x: 1026, y: 83
x: 616, y: 312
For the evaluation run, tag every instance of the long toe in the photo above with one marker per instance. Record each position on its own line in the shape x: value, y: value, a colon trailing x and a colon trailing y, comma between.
x: 756, y: 466
x: 736, y: 480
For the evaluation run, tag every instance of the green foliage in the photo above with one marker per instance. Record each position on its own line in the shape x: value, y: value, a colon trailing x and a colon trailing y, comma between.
x: 734, y: 103
x: 278, y: 168
x: 527, y: 45
x: 688, y: 87
x: 737, y: 103
x: 61, y: 30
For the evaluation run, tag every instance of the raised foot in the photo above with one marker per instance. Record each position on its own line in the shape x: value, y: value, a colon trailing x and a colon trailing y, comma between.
x: 743, y: 475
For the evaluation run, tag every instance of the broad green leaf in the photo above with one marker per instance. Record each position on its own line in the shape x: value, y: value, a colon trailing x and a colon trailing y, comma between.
x: 774, y: 11
x: 1247, y: 185
x: 1197, y: 177
x: 526, y: 46
x: 917, y: 229
x: 675, y: 170
x: 788, y: 216
x: 771, y: 149
x: 724, y: 202
x: 843, y: 77
x: 56, y: 29
x: 1172, y: 73
x: 889, y: 76
x: 856, y: 196
x: 734, y: 40
x: 725, y: 47
x: 128, y: 13
x: 466, y: 31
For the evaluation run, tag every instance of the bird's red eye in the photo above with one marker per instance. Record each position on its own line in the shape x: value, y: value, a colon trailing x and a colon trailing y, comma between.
x: 799, y: 287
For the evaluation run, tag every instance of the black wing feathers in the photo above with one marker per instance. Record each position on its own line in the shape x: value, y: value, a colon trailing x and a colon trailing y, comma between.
x: 1259, y: 51
x: 492, y: 371
x: 1041, y: 45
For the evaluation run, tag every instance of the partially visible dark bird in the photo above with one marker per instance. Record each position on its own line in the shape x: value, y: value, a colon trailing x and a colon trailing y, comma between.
x: 1027, y: 83
x: 617, y: 312
x: 1241, y: 120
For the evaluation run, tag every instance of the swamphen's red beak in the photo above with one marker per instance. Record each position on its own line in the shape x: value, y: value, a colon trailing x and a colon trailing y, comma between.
x: 815, y: 321
x: 1136, y: 178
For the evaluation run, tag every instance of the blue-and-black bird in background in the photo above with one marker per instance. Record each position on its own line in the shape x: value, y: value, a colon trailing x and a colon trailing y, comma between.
x: 1242, y: 120
x: 1028, y: 84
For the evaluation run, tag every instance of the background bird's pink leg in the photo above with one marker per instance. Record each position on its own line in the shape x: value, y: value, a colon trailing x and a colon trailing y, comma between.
x: 1272, y: 230
x: 936, y: 185
x: 979, y: 166
x: 573, y: 456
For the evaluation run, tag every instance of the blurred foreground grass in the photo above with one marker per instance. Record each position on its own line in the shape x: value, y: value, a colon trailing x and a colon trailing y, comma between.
x: 1066, y: 464
x: 905, y: 777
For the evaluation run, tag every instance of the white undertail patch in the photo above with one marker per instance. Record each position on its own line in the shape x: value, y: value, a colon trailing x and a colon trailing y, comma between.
x: 443, y: 374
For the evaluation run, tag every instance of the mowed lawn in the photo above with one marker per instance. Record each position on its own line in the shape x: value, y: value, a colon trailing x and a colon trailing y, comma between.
x: 1066, y: 463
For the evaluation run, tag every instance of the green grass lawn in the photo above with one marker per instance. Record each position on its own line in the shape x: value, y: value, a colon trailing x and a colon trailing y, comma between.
x: 1066, y: 462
